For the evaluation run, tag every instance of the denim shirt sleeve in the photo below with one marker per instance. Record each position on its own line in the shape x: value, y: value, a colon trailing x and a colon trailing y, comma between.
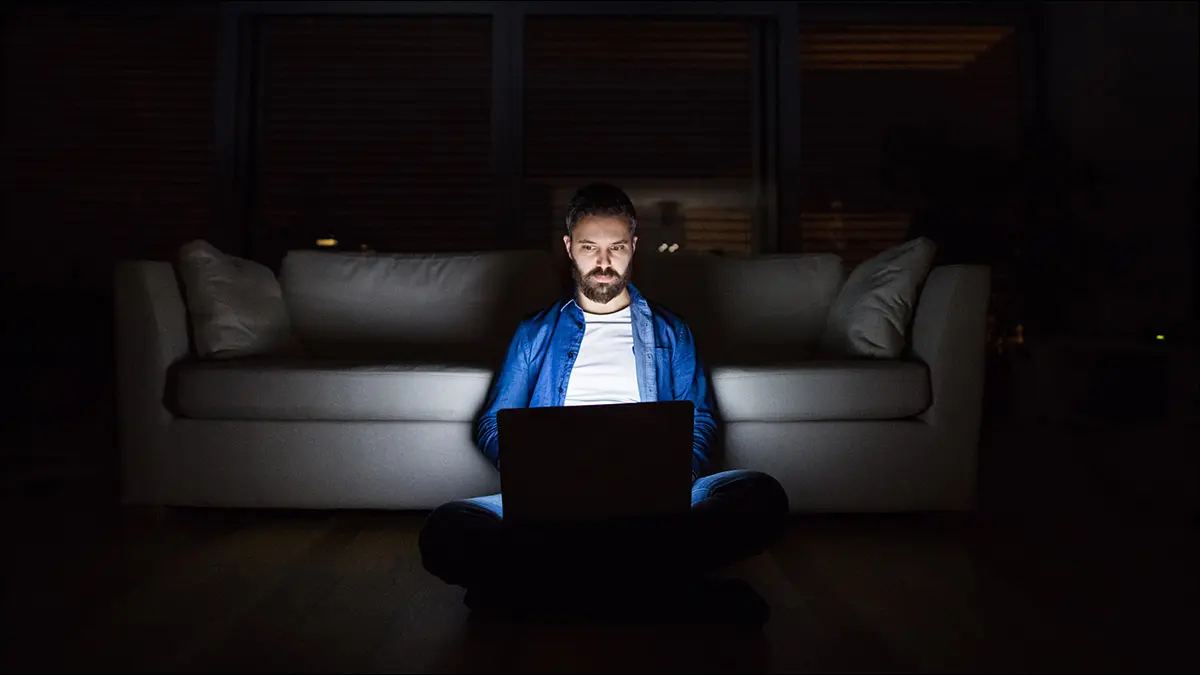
x: 513, y: 388
x: 691, y: 383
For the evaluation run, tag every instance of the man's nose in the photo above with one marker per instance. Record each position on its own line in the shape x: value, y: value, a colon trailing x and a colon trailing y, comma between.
x: 604, y: 258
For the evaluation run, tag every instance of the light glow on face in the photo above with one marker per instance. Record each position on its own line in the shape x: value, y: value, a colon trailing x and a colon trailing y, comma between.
x: 601, y: 249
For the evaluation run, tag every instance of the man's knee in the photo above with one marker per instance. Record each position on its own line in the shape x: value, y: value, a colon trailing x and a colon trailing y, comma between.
x: 773, y: 498
x: 766, y: 502
x: 752, y: 492
x: 752, y: 506
x: 455, y: 539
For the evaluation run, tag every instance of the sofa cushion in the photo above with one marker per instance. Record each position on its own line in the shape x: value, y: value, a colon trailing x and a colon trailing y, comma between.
x: 873, y: 311
x: 281, y: 389
x: 745, y: 309
x: 821, y: 390
x: 306, y: 390
x: 235, y: 305
x: 385, y: 306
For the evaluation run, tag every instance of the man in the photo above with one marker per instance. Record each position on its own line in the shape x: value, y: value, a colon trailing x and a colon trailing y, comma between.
x: 605, y: 345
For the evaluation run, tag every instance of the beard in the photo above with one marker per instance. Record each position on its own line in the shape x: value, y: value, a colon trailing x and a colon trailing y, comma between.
x: 600, y: 292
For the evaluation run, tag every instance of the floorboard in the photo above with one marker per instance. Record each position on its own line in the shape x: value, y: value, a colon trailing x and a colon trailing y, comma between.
x: 215, y: 591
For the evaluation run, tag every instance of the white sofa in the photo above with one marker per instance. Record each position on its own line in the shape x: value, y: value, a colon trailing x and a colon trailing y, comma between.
x: 400, y: 351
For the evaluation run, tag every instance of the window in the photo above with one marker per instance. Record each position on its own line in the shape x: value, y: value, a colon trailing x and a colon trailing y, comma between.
x: 375, y: 132
x: 663, y: 108
x: 901, y: 127
x: 108, y: 137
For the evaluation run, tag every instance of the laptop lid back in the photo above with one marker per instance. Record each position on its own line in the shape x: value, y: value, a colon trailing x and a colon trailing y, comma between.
x: 596, y: 462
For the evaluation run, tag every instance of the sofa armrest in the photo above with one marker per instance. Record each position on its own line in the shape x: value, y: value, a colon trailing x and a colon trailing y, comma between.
x: 949, y: 333
x: 151, y: 335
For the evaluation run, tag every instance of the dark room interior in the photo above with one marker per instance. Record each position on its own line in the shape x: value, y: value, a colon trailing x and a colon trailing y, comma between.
x: 399, y: 174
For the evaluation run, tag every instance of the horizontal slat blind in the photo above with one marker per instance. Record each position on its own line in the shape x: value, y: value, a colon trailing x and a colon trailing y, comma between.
x: 717, y: 229
x: 991, y: 95
x: 108, y: 136
x: 647, y: 103
x: 376, y: 131
x: 859, y: 85
x: 853, y: 236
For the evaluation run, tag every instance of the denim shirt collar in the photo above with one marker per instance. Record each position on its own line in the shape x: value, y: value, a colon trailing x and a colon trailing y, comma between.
x: 643, y: 339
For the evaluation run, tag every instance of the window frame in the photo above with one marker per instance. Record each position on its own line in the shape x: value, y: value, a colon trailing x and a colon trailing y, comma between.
x: 778, y: 146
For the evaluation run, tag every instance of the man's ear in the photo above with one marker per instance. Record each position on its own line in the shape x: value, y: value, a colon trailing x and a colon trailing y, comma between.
x: 567, y: 244
x: 633, y: 244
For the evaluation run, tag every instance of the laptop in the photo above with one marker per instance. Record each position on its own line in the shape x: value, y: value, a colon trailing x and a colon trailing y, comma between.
x: 596, y: 462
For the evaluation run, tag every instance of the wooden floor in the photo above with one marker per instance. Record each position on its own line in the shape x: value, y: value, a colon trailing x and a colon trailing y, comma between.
x: 217, y: 591
x: 1057, y: 572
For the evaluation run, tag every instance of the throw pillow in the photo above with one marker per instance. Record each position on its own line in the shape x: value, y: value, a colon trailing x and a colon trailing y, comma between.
x: 871, y: 314
x: 235, y: 305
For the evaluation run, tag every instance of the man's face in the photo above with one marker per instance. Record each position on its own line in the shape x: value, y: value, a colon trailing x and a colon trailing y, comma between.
x: 602, y: 251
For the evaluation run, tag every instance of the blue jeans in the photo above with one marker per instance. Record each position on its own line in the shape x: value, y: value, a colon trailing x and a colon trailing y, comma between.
x: 734, y: 515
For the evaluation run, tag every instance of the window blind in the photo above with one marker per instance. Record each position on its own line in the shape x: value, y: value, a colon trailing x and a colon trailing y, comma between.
x: 108, y: 136
x: 662, y: 107
x: 376, y: 132
x: 864, y: 90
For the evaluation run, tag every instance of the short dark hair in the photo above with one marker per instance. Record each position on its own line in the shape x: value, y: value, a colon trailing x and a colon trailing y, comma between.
x: 600, y: 199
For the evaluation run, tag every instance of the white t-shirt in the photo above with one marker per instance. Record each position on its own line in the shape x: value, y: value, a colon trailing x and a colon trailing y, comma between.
x: 605, y: 370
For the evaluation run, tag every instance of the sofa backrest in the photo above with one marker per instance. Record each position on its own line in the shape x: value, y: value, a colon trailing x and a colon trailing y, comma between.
x: 460, y: 307
x: 465, y: 306
x: 745, y: 309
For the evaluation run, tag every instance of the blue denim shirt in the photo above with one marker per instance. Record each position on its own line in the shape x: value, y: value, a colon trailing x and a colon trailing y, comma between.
x: 542, y: 354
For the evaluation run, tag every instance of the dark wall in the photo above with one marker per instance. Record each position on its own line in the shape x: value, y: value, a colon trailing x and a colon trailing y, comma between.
x: 1120, y: 81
